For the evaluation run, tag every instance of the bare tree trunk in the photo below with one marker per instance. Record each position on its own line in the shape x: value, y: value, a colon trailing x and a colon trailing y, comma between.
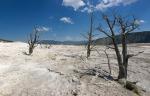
x: 124, y: 54
x: 88, y: 51
x: 119, y: 60
x: 90, y: 36
x: 30, y: 50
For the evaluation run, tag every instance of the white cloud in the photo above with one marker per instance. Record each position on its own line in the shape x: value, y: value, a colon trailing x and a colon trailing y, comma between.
x: 89, y: 7
x: 76, y: 4
x: 86, y: 5
x: 43, y: 29
x: 138, y: 22
x: 104, y: 4
x: 67, y: 20
x: 128, y: 2
x: 142, y: 21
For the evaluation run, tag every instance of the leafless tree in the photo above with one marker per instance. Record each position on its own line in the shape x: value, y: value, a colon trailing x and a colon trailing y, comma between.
x: 122, y: 25
x: 33, y: 40
x: 90, y: 37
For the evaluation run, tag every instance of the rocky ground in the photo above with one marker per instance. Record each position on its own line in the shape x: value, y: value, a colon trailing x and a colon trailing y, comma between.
x: 60, y: 71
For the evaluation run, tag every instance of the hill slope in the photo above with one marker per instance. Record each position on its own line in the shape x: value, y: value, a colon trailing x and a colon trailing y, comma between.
x: 2, y: 40
x: 136, y: 37
x: 62, y: 42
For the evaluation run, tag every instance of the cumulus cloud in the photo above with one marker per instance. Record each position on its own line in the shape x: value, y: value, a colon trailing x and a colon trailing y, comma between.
x: 111, y: 3
x: 139, y: 22
x: 67, y: 20
x: 43, y: 29
x: 89, y: 8
x: 76, y: 4
x: 142, y: 21
x: 86, y: 6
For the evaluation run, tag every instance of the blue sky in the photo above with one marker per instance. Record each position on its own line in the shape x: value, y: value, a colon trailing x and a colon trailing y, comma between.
x: 62, y: 19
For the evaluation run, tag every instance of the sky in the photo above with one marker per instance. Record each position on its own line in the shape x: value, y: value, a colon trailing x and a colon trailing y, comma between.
x: 62, y: 19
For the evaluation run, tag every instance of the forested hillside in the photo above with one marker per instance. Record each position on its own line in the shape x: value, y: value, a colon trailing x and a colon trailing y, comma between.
x: 136, y: 37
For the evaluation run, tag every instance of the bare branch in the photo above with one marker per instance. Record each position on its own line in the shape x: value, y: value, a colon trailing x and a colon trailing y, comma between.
x: 131, y: 55
x: 33, y: 40
x: 124, y: 25
x: 100, y: 29
x: 109, y: 47
x: 84, y: 36
x: 108, y: 60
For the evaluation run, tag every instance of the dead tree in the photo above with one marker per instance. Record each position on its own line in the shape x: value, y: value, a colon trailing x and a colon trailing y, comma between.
x: 123, y: 26
x: 90, y: 33
x: 33, y: 40
x: 90, y: 37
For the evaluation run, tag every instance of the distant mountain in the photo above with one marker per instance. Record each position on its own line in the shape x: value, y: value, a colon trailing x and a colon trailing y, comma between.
x: 2, y: 40
x: 63, y: 42
x: 135, y: 37
x: 49, y: 42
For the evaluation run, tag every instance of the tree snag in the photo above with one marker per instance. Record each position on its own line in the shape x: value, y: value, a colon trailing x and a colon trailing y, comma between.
x: 122, y: 26
x: 33, y: 40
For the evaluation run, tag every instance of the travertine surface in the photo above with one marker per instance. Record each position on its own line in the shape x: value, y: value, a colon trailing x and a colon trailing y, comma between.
x: 51, y: 72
